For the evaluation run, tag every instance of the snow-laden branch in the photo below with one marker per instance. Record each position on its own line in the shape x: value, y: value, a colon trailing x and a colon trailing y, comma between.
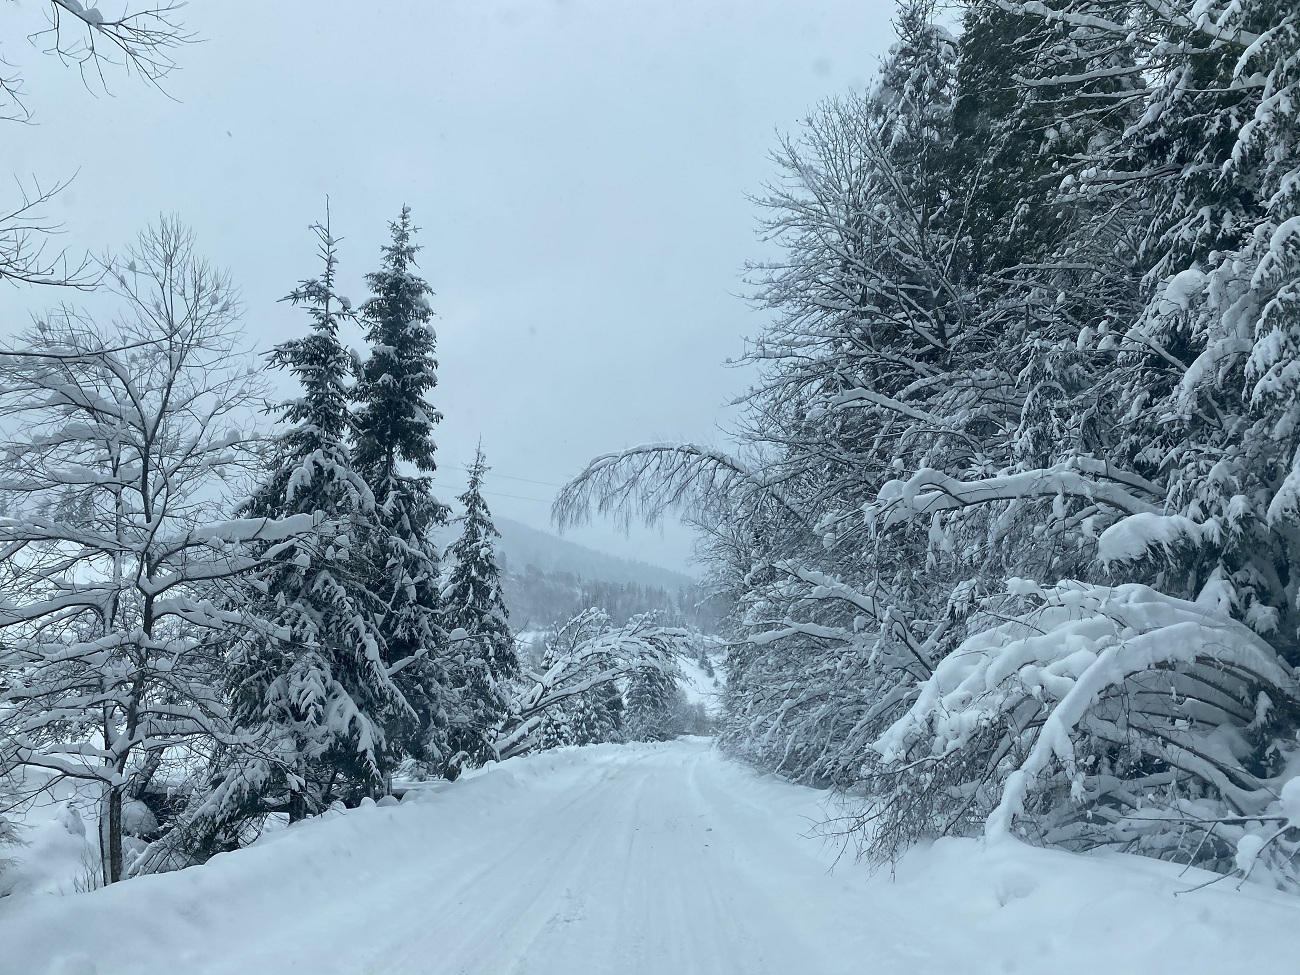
x: 596, y: 654
x: 1030, y: 706
x: 26, y: 254
x: 859, y: 397
x: 1220, y: 31
x: 930, y: 491
x: 885, y: 615
x: 143, y: 38
x: 654, y: 479
x: 1138, y: 535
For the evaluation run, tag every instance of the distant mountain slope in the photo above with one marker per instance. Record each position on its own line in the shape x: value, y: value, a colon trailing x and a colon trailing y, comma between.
x: 523, y: 546
x: 547, y: 580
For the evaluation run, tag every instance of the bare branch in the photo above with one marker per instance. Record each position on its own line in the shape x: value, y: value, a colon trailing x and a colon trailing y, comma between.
x: 25, y: 254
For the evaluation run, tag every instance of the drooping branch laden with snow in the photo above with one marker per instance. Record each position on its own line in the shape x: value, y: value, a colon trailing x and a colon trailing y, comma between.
x: 587, y: 654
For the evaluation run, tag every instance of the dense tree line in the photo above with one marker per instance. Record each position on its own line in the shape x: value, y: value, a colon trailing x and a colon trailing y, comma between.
x: 1011, y: 519
x: 539, y: 599
x: 206, y: 621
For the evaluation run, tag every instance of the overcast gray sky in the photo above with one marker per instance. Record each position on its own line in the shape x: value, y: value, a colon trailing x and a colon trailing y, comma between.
x: 579, y: 169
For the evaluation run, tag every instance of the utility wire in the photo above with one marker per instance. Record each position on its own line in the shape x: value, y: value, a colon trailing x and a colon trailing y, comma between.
x: 495, y: 494
x: 492, y: 472
x: 526, y: 480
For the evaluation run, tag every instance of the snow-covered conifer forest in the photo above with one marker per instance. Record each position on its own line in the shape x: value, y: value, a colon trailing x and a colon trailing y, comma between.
x: 999, y: 617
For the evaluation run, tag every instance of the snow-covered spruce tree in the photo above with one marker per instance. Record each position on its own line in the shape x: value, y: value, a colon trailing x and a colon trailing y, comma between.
x: 1069, y: 741
x: 1034, y: 100
x: 117, y: 564
x: 653, y: 705
x: 472, y: 602
x: 309, y: 692
x: 1207, y: 367
x: 393, y: 431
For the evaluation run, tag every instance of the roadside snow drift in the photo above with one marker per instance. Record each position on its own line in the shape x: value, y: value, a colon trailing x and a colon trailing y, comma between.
x: 654, y: 859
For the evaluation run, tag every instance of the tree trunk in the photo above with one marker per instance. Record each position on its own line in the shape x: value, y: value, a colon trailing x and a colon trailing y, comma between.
x: 110, y: 836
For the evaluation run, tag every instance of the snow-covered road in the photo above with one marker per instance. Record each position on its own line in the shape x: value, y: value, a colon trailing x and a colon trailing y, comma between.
x: 661, y: 860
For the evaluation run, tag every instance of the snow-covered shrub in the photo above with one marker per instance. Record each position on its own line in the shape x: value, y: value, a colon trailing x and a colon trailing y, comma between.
x: 1094, y: 716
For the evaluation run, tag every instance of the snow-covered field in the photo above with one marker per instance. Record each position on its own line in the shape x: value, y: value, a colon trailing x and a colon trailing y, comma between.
x: 664, y: 859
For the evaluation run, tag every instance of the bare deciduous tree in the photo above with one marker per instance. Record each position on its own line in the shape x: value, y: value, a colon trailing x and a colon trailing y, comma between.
x: 117, y: 443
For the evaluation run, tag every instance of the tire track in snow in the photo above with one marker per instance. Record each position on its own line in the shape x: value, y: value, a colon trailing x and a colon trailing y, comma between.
x: 636, y: 860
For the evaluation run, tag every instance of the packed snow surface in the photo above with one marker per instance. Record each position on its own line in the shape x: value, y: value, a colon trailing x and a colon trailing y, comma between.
x: 654, y: 859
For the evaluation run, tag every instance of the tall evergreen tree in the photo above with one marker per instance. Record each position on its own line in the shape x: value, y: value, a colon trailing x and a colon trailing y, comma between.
x: 311, y: 688
x: 472, y: 601
x: 653, y: 705
x: 394, y: 433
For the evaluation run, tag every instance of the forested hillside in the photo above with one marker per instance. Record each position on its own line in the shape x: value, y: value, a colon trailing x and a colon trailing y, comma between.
x: 1011, y: 515
x: 539, y: 599
x: 522, y: 546
x: 547, y: 580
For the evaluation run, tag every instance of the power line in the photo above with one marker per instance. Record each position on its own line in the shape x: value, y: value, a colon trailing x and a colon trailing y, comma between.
x: 495, y: 494
x: 493, y: 472
x: 511, y: 477
x: 526, y: 480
